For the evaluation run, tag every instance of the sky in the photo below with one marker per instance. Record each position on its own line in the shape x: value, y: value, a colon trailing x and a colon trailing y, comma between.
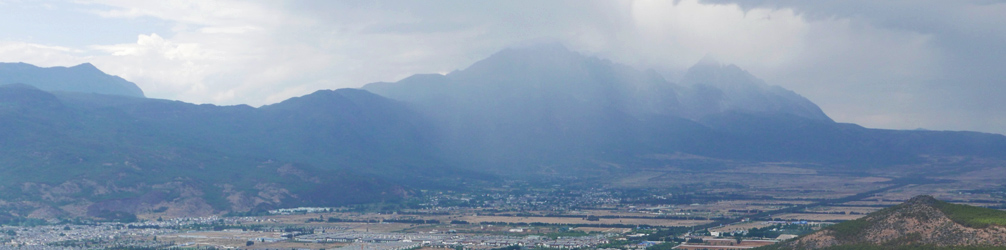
x: 930, y: 64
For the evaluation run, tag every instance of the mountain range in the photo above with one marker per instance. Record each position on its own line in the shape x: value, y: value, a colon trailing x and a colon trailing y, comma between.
x: 79, y: 142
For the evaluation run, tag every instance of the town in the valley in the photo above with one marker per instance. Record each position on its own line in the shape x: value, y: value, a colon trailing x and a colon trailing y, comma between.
x: 701, y: 215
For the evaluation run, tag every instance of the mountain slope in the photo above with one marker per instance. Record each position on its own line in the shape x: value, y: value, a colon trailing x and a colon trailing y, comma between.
x: 922, y: 221
x: 81, y: 78
x: 531, y: 108
x: 82, y: 154
x: 716, y: 88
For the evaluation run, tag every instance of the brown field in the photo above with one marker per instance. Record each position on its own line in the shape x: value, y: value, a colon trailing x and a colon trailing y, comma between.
x: 874, y: 202
x: 844, y: 209
x: 725, y: 206
x: 621, y: 213
x: 984, y: 177
x: 777, y: 181
x: 769, y: 169
x: 565, y: 220
x: 957, y: 191
x: 818, y: 217
x: 741, y: 226
x: 872, y: 179
x: 602, y: 229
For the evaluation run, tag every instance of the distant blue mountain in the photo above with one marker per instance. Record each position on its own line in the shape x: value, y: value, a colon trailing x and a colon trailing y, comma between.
x: 332, y: 147
x: 543, y: 108
x: 81, y: 78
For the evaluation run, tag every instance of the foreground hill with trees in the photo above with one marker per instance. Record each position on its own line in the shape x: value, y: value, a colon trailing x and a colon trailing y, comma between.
x: 922, y: 222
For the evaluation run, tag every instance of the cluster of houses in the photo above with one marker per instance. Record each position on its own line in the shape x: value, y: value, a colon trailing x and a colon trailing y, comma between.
x: 300, y: 210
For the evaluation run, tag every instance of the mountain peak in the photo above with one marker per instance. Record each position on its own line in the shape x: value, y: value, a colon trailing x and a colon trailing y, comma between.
x: 85, y: 78
x: 708, y: 60
x: 726, y: 87
x: 554, y: 71
x: 539, y: 68
x: 85, y: 66
x: 725, y: 76
x: 546, y: 46
x: 532, y: 56
x: 922, y: 200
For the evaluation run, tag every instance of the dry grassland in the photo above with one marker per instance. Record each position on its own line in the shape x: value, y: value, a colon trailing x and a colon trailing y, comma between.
x: 780, y: 182
x: 818, y: 217
x: 565, y: 220
x: 844, y: 209
x: 771, y: 169
x: 874, y: 202
x: 602, y: 230
x: 741, y: 226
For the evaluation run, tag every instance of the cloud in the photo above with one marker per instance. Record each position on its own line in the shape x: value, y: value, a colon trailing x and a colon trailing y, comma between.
x: 155, y: 44
x: 890, y: 64
x: 950, y: 76
x: 164, y: 68
x: 857, y: 71
x: 193, y: 12
x: 40, y: 55
x: 675, y: 34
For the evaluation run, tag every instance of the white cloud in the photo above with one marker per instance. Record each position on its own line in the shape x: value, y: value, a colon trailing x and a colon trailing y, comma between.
x: 155, y: 45
x: 678, y: 33
x: 229, y: 30
x: 40, y: 55
x: 161, y: 67
x: 194, y: 12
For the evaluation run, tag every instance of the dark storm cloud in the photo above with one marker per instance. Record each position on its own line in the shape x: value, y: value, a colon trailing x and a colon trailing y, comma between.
x: 966, y: 89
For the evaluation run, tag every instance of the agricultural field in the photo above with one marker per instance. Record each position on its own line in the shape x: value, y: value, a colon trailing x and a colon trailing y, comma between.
x: 581, y: 221
x: 818, y: 217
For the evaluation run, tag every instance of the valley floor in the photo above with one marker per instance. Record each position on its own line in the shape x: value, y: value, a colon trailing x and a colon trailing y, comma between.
x: 632, y: 211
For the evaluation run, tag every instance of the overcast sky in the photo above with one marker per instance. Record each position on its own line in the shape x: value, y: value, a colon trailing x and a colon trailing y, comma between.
x: 936, y: 64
